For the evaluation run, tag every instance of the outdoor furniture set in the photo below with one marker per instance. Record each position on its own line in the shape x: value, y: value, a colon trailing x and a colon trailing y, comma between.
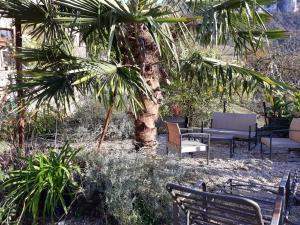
x: 229, y: 127
x: 237, y: 202
x: 225, y: 127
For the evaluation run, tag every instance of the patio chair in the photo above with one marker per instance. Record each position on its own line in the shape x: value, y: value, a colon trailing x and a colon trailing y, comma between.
x: 293, y: 205
x: 201, y: 207
x: 292, y: 142
x: 182, y: 121
x: 181, y: 143
x: 242, y: 126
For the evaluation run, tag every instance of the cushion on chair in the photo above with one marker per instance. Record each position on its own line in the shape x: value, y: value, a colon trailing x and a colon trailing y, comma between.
x: 233, y: 121
x: 235, y: 133
x: 280, y: 142
x: 295, y: 125
x: 192, y: 146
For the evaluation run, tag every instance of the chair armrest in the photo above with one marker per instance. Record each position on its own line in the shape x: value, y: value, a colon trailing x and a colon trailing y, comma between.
x: 184, y: 129
x: 278, y: 211
x: 283, y: 130
x: 191, y: 129
x: 276, y: 131
x: 200, y: 185
x: 202, y: 135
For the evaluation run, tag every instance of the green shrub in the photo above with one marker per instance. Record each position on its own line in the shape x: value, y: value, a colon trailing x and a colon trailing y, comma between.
x: 41, y: 187
x: 195, y: 103
x: 132, y: 186
x: 87, y: 121
x: 43, y: 122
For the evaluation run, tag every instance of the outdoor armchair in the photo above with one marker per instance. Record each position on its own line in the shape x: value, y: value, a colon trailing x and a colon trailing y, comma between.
x: 182, y: 143
x: 292, y: 142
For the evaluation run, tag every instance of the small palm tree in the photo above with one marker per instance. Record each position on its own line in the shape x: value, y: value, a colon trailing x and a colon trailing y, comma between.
x: 133, y: 46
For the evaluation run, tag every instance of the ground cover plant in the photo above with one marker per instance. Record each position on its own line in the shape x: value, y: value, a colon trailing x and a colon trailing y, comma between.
x: 128, y: 188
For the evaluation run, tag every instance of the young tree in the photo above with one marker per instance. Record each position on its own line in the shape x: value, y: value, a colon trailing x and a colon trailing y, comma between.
x: 133, y: 45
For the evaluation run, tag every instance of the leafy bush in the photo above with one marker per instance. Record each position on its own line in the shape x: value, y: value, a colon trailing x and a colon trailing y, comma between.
x: 196, y: 104
x: 131, y: 187
x: 87, y: 121
x: 43, y: 122
x: 8, y: 121
x: 43, y: 186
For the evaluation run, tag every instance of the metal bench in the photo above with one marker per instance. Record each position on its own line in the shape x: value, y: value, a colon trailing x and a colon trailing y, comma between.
x: 293, y: 204
x: 228, y: 206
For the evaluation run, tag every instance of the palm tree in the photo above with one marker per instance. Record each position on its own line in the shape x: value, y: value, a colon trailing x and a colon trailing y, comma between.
x: 133, y: 46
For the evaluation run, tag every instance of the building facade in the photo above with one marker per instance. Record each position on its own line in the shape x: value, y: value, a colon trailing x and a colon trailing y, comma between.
x: 7, y: 64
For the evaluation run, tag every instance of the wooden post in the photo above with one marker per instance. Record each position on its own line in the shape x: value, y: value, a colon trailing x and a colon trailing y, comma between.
x: 20, y: 93
x: 105, y: 127
x: 108, y: 118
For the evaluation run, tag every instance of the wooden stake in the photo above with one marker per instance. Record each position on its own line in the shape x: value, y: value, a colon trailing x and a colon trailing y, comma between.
x: 106, y: 123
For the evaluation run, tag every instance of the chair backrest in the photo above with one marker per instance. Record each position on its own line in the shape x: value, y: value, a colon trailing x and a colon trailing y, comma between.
x: 211, y: 208
x: 295, y: 125
x: 174, y: 138
x: 233, y: 121
x: 180, y: 120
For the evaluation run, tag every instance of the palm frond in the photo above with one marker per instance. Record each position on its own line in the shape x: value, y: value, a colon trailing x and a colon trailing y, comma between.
x: 219, y: 76
x: 239, y: 23
x: 38, y: 18
x: 59, y: 77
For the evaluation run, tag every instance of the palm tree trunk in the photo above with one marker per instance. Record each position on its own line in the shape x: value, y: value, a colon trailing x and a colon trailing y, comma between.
x: 147, y: 56
x: 21, y: 105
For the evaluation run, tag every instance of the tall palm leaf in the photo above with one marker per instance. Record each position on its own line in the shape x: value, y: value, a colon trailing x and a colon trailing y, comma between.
x: 38, y: 19
x: 213, y: 74
x: 58, y: 76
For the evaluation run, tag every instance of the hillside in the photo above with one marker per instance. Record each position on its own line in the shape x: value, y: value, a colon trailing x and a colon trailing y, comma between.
x: 291, y: 23
x: 283, y: 60
x: 288, y: 21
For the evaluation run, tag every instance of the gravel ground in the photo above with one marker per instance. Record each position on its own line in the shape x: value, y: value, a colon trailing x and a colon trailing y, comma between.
x: 244, y: 165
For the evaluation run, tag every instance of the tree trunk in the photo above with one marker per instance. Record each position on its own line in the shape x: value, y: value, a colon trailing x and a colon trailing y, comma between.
x: 21, y: 104
x: 147, y: 57
x: 3, y: 101
x: 105, y: 127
